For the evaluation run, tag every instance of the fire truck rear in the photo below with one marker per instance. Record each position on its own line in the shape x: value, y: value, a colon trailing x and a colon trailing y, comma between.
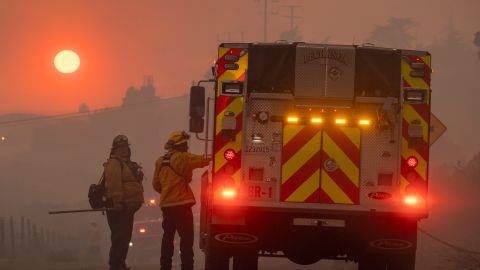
x: 319, y: 152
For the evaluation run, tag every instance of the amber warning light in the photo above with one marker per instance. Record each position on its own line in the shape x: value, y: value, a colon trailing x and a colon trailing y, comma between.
x: 292, y: 119
x: 364, y: 122
x: 340, y: 121
x: 316, y: 120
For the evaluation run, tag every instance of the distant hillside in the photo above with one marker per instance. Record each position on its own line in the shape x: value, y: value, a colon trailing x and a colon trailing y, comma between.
x: 54, y: 161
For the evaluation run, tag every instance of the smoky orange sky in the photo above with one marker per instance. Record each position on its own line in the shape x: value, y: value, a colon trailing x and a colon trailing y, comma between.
x: 175, y: 41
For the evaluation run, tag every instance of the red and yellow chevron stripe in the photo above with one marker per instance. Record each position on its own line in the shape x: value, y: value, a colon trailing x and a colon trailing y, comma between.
x: 301, y: 163
x: 306, y: 150
x: 340, y: 185
x: 233, y: 105
x: 417, y: 114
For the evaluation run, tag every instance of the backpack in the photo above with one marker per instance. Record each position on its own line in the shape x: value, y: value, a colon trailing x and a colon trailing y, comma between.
x: 96, y: 193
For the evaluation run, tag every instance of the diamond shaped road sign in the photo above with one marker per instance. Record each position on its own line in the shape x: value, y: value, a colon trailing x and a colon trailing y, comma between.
x: 437, y: 128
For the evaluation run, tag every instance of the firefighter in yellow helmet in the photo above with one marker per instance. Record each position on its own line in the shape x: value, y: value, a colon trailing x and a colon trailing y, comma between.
x: 173, y: 173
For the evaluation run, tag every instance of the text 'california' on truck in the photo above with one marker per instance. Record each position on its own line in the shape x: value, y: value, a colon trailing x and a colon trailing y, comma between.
x: 319, y: 152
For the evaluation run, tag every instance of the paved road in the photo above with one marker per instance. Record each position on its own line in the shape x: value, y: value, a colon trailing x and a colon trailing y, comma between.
x: 264, y: 264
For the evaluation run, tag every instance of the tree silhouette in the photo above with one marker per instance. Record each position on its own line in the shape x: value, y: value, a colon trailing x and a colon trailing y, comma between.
x: 476, y: 41
x: 83, y: 108
x: 395, y: 34
x: 145, y: 93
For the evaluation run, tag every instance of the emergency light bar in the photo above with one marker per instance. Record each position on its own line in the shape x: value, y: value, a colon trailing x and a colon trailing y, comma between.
x: 340, y: 121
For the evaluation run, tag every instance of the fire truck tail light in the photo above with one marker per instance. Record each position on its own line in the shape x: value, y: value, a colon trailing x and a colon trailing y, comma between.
x: 228, y: 193
x: 412, y: 162
x: 292, y: 119
x: 229, y: 154
x: 410, y: 200
x: 142, y: 230
x: 364, y: 122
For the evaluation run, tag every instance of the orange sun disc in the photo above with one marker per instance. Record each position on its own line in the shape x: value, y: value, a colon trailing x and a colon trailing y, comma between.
x: 67, y: 61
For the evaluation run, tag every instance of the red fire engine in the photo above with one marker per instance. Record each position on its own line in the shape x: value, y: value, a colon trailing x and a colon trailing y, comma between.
x: 319, y: 152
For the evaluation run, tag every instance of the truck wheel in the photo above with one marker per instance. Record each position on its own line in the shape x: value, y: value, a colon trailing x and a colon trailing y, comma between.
x: 216, y: 259
x: 372, y: 262
x: 245, y: 260
x: 402, y: 262
x: 302, y: 256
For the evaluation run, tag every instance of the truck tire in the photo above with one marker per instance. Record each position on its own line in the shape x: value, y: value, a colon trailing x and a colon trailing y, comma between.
x: 216, y: 259
x: 245, y: 260
x: 372, y: 262
x: 301, y: 248
x: 302, y: 256
x: 402, y: 261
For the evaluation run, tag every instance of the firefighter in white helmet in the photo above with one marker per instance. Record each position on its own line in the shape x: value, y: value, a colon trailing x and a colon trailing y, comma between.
x: 173, y: 173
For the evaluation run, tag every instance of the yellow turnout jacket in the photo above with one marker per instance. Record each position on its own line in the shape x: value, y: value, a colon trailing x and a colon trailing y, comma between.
x: 173, y: 175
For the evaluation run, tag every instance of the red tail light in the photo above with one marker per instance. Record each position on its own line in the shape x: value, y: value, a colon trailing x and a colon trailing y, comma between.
x: 410, y: 200
x: 229, y: 193
x: 412, y: 162
x: 142, y: 230
x: 229, y: 154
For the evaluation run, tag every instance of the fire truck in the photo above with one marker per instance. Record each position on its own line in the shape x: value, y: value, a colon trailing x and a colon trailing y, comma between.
x: 319, y: 152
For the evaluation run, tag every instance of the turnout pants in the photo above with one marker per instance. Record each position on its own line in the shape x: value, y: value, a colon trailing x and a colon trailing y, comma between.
x: 121, y: 225
x: 177, y: 218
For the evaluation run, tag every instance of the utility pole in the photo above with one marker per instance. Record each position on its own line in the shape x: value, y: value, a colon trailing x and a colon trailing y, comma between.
x: 265, y: 16
x: 265, y: 21
x: 292, y: 16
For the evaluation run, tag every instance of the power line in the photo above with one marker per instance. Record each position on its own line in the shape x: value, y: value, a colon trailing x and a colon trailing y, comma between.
x: 292, y: 16
x: 455, y: 247
x: 76, y: 114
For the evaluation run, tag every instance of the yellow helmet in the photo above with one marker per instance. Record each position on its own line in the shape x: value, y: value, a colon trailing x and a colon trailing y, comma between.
x: 176, y: 138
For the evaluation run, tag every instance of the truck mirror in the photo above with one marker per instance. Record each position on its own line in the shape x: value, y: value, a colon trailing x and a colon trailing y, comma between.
x: 197, y: 109
x: 196, y: 125
x: 197, y: 102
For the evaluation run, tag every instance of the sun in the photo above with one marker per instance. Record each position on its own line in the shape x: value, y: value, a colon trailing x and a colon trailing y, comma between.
x: 67, y: 61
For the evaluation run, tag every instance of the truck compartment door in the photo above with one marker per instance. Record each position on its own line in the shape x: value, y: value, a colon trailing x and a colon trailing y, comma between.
x: 301, y: 159
x: 340, y: 172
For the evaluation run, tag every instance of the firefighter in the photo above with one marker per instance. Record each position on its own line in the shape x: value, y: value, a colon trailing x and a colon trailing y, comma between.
x: 124, y: 193
x: 173, y: 173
